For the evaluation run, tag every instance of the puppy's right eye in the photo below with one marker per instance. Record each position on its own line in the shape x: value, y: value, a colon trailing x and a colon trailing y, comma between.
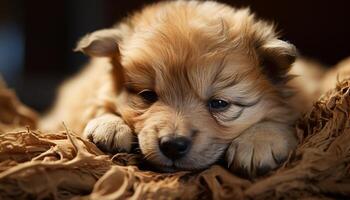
x: 218, y: 105
x: 149, y: 95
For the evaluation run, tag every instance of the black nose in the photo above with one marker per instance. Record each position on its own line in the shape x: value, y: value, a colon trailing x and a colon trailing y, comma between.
x: 174, y: 147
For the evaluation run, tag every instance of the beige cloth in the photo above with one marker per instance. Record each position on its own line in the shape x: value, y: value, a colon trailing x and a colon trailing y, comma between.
x: 36, y: 165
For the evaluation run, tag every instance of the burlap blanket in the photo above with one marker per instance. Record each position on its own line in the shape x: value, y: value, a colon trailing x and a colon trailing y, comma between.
x: 35, y: 165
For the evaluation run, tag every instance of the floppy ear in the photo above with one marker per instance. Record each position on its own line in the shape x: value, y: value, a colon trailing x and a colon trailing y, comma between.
x: 102, y: 43
x: 276, y: 57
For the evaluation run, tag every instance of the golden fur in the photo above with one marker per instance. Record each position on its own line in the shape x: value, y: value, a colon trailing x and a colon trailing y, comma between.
x: 188, y: 52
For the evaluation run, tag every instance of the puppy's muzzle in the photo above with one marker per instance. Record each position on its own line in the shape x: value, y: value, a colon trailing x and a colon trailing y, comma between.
x: 174, y: 147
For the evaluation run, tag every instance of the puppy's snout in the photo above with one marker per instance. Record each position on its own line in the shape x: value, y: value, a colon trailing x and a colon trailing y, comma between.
x: 174, y: 147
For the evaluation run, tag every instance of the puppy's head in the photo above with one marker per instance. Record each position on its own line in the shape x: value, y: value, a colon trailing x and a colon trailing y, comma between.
x: 192, y: 77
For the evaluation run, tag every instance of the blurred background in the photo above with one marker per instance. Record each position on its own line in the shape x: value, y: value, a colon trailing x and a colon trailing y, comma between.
x: 37, y: 37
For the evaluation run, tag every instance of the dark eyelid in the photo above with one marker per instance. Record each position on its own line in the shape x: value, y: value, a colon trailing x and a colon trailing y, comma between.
x: 221, y: 110
x: 134, y: 89
x: 144, y: 90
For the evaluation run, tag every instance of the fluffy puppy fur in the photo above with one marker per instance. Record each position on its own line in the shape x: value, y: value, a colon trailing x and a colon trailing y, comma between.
x: 156, y: 74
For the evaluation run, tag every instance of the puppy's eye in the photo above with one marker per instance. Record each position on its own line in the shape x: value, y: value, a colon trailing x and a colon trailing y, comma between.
x: 149, y: 95
x: 218, y: 104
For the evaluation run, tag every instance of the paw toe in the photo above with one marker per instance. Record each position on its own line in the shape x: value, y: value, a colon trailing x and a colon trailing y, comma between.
x: 279, y: 159
x: 110, y: 134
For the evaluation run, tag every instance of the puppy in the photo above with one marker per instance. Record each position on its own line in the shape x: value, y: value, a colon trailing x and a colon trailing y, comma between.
x: 193, y: 82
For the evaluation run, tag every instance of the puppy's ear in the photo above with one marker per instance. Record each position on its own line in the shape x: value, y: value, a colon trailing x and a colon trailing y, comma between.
x: 102, y: 43
x: 276, y: 57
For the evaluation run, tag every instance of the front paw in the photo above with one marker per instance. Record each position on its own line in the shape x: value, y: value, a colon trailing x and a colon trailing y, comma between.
x: 260, y: 149
x: 110, y: 133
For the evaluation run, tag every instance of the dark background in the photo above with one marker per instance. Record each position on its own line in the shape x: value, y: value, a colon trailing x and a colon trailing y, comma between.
x: 37, y: 36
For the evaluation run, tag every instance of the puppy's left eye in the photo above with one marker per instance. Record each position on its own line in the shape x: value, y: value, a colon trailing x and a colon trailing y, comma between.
x: 218, y: 104
x: 149, y: 95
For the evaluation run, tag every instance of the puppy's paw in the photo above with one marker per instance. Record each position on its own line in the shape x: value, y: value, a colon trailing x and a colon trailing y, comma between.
x: 110, y: 133
x: 260, y: 149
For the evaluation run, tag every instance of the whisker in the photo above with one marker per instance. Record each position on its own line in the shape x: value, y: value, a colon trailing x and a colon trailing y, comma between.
x: 150, y: 155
